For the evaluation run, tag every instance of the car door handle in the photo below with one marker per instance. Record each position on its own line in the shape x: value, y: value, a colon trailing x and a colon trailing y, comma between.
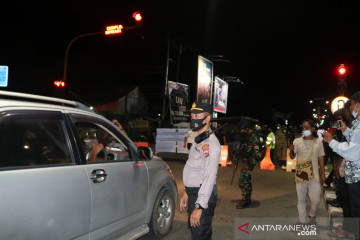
x: 98, y: 175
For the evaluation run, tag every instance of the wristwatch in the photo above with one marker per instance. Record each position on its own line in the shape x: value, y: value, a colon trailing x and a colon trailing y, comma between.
x: 198, y: 206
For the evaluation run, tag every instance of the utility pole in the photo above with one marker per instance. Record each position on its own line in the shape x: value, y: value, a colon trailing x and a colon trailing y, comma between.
x: 166, y: 80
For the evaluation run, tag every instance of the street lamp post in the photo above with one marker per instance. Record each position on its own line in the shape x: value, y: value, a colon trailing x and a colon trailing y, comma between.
x: 78, y: 37
x: 68, y: 48
x: 116, y: 29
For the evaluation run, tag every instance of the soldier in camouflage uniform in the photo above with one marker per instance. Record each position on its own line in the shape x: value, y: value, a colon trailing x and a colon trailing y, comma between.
x: 247, y: 156
x: 281, y: 146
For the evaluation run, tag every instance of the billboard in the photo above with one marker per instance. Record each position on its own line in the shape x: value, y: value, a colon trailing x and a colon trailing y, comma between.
x: 204, y: 80
x: 220, y: 95
x: 4, y: 72
x: 178, y: 99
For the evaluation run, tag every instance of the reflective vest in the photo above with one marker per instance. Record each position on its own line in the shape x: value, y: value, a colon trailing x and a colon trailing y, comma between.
x: 269, y: 139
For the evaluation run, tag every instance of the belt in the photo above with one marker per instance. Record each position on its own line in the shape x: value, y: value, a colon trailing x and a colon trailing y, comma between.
x: 196, y: 187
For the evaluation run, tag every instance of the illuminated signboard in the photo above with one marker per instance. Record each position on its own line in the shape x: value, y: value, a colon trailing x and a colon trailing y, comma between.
x: 4, y: 73
x: 205, y: 76
x: 115, y: 29
x: 338, y: 103
x: 220, y: 95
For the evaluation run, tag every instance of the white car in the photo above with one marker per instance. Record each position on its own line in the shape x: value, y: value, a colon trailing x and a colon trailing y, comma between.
x: 50, y: 190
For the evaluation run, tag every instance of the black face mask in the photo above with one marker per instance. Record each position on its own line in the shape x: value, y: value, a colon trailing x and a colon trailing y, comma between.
x: 197, y: 124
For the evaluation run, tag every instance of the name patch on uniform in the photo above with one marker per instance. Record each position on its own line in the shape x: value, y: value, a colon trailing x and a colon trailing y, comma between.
x: 206, y: 150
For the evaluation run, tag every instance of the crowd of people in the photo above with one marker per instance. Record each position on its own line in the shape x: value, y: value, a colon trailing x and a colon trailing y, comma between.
x: 339, y: 145
x: 344, y: 144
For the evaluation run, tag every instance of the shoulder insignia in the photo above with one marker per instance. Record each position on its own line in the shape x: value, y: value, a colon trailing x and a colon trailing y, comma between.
x: 206, y: 150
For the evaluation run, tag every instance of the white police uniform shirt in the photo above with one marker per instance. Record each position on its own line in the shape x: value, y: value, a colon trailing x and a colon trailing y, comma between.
x: 201, y: 168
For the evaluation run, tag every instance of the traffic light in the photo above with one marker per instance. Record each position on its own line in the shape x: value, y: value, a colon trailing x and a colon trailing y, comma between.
x: 138, y: 24
x: 342, y: 70
x: 342, y: 86
x: 59, y: 84
x: 137, y: 16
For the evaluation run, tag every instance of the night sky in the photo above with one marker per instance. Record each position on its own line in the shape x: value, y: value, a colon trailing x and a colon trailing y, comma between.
x: 285, y: 52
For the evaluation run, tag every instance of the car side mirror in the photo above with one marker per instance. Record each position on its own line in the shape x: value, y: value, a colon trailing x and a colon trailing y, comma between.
x: 145, y: 153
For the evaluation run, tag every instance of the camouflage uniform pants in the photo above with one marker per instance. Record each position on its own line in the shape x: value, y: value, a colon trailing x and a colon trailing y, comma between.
x: 248, y: 165
x: 282, y: 153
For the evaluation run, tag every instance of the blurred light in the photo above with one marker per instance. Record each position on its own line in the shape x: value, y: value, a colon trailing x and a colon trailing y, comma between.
x: 327, y: 102
x: 342, y: 69
x: 314, y: 109
x: 4, y: 75
x: 325, y: 110
x: 311, y: 101
x: 137, y: 16
x: 338, y: 103
x: 59, y: 84
x: 91, y: 107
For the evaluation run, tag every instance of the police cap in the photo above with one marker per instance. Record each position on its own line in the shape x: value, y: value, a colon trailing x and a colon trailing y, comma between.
x: 201, y: 107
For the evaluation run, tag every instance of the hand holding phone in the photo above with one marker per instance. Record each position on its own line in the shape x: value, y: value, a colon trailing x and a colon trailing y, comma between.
x: 328, y: 136
x: 343, y: 126
x: 335, y: 124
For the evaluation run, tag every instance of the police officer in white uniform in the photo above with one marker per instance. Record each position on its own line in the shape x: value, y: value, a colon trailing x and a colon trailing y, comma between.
x: 199, y: 175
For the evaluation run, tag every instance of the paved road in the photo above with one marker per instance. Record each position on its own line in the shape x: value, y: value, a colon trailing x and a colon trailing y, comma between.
x: 274, y: 196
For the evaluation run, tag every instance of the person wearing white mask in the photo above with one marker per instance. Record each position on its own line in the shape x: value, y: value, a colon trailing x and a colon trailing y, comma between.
x: 310, y: 158
x: 350, y: 151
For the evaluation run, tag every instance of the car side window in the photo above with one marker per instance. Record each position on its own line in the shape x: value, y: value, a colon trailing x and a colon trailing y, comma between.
x: 99, y: 144
x: 28, y: 139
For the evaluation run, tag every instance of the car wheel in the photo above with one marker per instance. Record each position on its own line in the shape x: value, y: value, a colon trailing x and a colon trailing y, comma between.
x: 163, y: 213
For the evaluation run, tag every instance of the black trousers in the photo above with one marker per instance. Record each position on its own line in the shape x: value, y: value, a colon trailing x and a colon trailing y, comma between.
x: 204, y: 231
x: 329, y: 154
x: 330, y: 178
x: 189, y: 145
x: 342, y: 195
x: 272, y: 155
x: 354, y: 198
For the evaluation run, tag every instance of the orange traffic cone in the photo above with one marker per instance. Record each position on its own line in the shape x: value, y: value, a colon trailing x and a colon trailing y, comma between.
x: 266, y: 163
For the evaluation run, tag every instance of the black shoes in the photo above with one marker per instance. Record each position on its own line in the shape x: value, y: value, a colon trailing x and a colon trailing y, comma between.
x: 328, y: 187
x: 244, y: 203
x: 312, y: 220
x: 333, y: 203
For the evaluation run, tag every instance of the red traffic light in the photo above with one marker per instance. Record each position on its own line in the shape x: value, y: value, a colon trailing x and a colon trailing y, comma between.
x: 137, y: 16
x: 59, y: 84
x: 342, y: 69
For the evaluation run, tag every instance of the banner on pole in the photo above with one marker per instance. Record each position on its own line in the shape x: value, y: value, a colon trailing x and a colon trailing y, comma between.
x: 220, y: 95
x: 178, y: 101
